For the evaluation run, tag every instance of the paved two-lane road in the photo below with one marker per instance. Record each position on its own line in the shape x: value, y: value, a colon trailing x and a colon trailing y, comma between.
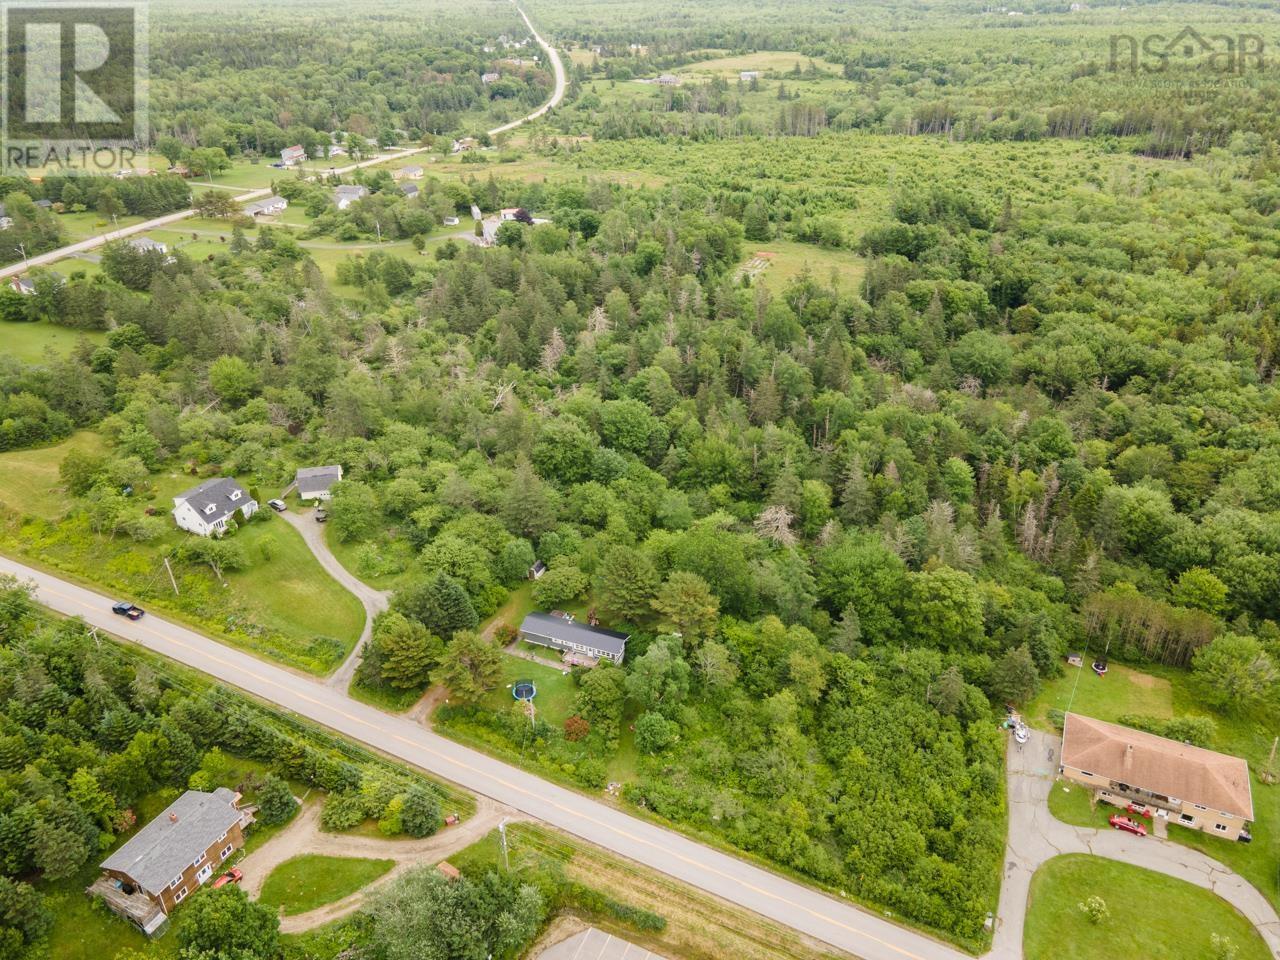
x: 92, y: 243
x: 785, y: 901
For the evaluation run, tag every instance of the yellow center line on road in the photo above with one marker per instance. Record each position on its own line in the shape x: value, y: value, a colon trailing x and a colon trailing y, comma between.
x: 429, y: 751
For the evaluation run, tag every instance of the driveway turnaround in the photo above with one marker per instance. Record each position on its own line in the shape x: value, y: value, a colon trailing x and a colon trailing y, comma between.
x: 720, y: 874
x: 93, y: 243
x: 1035, y: 836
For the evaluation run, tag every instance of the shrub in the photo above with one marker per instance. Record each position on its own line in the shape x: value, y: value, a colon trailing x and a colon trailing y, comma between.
x: 276, y: 802
x: 342, y: 811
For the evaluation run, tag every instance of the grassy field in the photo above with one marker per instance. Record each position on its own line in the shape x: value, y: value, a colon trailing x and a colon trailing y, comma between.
x: 88, y: 223
x: 283, y: 605
x: 29, y: 341
x: 556, y: 689
x: 1168, y: 692
x: 1152, y: 915
x: 791, y: 259
x: 29, y: 479
x: 312, y: 880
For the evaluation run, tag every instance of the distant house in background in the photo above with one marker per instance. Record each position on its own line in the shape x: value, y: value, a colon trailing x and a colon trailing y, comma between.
x: 146, y: 245
x: 451, y: 221
x: 410, y: 190
x: 747, y: 75
x: 411, y: 172
x: 23, y: 285
x: 315, y: 483
x: 594, y: 944
x: 509, y: 213
x: 172, y: 857
x: 44, y: 204
x: 465, y: 144
x: 348, y: 194
x: 574, y: 638
x: 290, y: 156
x: 669, y: 80
x: 270, y: 207
x: 205, y: 509
x: 490, y: 77
x: 1190, y: 786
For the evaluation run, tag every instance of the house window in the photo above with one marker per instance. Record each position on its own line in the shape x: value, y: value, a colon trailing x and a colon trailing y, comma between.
x: 226, y: 851
x: 209, y: 509
x: 224, y: 835
x: 175, y: 881
x: 1198, y: 807
x: 1220, y: 827
x: 235, y: 494
x: 1187, y: 818
x: 198, y: 860
x: 180, y: 895
x: 1085, y: 773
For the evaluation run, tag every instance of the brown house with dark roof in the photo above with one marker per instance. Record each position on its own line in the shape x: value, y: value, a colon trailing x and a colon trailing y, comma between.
x: 1194, y: 787
x: 172, y: 857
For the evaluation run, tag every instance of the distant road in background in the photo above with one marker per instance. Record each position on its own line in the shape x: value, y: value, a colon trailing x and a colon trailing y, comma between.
x: 93, y: 243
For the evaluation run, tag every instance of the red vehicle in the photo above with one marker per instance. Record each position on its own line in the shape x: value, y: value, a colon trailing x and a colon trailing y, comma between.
x: 1138, y: 810
x: 231, y: 876
x: 1130, y: 826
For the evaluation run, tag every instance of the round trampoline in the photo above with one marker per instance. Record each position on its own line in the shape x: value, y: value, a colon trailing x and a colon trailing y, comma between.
x: 524, y: 690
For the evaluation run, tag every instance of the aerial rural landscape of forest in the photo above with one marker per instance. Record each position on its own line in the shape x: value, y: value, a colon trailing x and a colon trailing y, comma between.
x: 485, y: 480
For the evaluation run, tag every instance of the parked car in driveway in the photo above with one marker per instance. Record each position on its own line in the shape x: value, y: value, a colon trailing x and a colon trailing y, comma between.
x: 126, y: 609
x: 321, y: 516
x: 277, y: 505
x: 231, y: 876
x: 1129, y: 826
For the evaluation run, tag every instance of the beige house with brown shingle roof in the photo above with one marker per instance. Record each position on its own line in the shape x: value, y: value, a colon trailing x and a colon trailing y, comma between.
x: 1197, y: 788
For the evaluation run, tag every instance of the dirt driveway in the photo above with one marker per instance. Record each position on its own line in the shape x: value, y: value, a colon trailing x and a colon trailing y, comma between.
x: 304, y: 835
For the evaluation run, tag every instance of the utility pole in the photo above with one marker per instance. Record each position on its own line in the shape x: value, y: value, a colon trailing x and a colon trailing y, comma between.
x: 502, y: 831
x: 169, y: 570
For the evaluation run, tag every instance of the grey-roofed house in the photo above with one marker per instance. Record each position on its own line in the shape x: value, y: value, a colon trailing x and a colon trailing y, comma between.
x: 410, y: 190
x: 293, y: 155
x: 146, y: 244
x: 412, y: 172
x: 205, y: 509
x: 349, y: 193
x: 574, y: 638
x: 316, y: 483
x: 172, y: 857
x: 268, y: 207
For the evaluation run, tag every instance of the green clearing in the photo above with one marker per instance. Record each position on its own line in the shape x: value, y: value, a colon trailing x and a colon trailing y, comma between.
x: 556, y: 689
x: 1152, y: 915
x: 791, y: 259
x: 1123, y: 690
x: 29, y: 341
x: 29, y: 478
x: 312, y: 880
x: 89, y: 223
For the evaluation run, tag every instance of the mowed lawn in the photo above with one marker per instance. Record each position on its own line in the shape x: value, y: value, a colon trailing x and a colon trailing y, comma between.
x: 28, y: 341
x: 791, y: 259
x: 1122, y: 691
x: 312, y: 880
x: 29, y: 481
x: 556, y: 689
x: 1152, y: 915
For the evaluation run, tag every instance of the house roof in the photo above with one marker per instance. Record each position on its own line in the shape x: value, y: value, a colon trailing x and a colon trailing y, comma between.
x: 353, y: 191
x: 257, y: 206
x: 568, y: 631
x: 145, y: 243
x: 593, y: 944
x: 1158, y: 765
x: 317, y: 478
x: 216, y: 493
x: 409, y: 189
x: 295, y: 151
x: 411, y: 168
x: 172, y: 841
